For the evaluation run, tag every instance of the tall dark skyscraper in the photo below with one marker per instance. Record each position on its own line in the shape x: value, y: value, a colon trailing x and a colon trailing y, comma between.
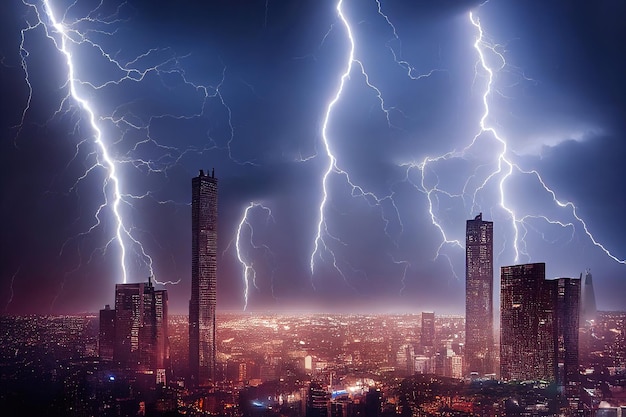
x: 527, y: 350
x: 106, y: 335
x: 428, y: 329
x: 140, y: 326
x: 202, y: 353
x: 588, y: 309
x: 129, y: 317
x: 539, y: 326
x: 567, y: 314
x: 479, y: 350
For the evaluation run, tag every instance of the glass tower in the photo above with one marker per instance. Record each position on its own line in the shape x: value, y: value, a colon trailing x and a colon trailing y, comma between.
x: 203, y: 300
x: 479, y: 354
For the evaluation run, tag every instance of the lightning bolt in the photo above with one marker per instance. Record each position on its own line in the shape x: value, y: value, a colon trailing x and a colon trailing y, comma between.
x: 111, y: 153
x: 320, y: 244
x: 249, y: 273
x: 106, y: 162
x: 421, y: 174
x: 499, y: 171
x: 6, y: 307
x: 506, y: 167
x: 397, y: 56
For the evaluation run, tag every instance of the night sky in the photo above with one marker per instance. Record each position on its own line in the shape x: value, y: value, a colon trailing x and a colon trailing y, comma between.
x: 431, y: 126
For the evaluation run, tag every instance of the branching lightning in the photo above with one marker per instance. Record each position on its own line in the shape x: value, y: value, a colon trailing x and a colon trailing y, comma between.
x: 106, y: 161
x: 66, y: 35
x: 111, y: 154
x: 322, y: 232
x: 320, y: 244
x: 11, y: 292
x: 249, y: 273
x: 504, y: 165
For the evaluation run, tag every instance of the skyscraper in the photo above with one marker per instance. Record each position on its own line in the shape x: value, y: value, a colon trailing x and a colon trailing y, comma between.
x: 539, y: 326
x: 526, y: 328
x: 140, y: 326
x: 202, y: 305
x: 567, y: 311
x: 106, y: 335
x: 428, y: 329
x: 163, y: 345
x: 479, y: 351
x: 129, y: 311
x: 588, y: 300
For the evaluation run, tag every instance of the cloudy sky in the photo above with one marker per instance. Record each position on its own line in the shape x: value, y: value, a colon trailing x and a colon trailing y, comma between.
x: 351, y: 141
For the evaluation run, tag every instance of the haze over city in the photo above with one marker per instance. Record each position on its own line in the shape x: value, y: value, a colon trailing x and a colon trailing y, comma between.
x: 351, y: 145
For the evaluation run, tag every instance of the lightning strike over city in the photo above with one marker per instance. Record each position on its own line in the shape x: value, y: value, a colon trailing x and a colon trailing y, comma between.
x: 350, y: 141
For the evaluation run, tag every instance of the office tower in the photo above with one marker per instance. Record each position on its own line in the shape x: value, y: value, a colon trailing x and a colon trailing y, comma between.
x: 140, y: 326
x: 405, y: 359
x: 539, y: 326
x: 567, y: 309
x: 148, y: 329
x: 317, y: 401
x: 163, y: 346
x: 428, y: 329
x: 203, y: 279
x: 526, y: 324
x: 479, y: 354
x: 106, y: 335
x: 373, y: 403
x: 588, y: 299
x: 128, y: 320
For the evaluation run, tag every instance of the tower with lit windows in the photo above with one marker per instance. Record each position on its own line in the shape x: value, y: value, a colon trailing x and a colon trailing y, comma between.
x: 138, y: 325
x: 203, y: 302
x: 479, y: 348
x: 539, y: 327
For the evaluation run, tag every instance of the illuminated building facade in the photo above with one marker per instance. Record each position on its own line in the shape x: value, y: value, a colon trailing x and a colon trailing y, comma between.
x: 162, y: 335
x: 567, y: 311
x: 129, y: 311
x: 479, y: 350
x: 317, y: 401
x: 203, y: 302
x: 539, y: 326
x: 140, y: 326
x: 526, y: 321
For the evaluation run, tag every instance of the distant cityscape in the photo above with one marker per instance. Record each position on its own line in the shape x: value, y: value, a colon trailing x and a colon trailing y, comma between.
x: 555, y: 354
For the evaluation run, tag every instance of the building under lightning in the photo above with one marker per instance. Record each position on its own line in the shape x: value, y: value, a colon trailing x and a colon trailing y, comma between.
x: 203, y: 302
x: 539, y: 327
x: 135, y: 333
x: 479, y: 350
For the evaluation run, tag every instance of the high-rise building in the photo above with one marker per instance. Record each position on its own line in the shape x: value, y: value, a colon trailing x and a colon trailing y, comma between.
x: 317, y: 401
x: 140, y: 326
x: 106, y: 335
x: 588, y: 311
x: 128, y: 320
x: 539, y: 326
x: 203, y: 302
x: 567, y: 311
x: 163, y: 346
x: 526, y: 324
x: 428, y: 329
x: 479, y: 347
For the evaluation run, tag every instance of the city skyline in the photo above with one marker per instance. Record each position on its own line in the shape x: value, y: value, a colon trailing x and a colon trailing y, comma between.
x: 352, y: 141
